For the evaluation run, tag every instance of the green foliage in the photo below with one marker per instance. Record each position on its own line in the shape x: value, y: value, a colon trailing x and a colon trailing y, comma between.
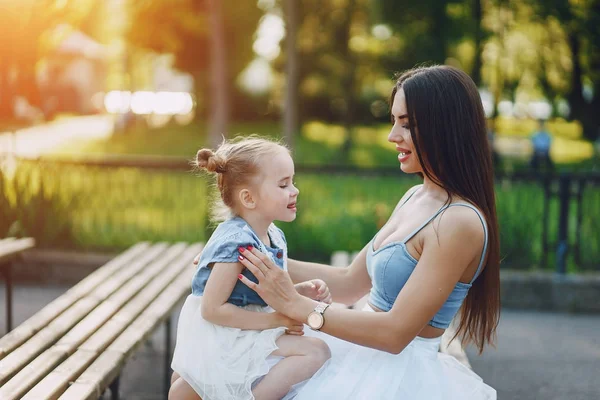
x: 40, y: 210
x: 7, y: 212
x: 182, y: 28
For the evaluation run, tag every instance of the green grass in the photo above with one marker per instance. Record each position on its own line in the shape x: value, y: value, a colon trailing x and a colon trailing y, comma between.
x: 320, y: 143
x: 113, y: 208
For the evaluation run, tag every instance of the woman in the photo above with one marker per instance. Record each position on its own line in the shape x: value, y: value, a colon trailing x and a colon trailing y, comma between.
x: 437, y: 253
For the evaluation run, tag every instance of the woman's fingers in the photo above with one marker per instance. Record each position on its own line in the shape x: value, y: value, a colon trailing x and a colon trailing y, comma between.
x: 259, y: 259
x: 197, y: 259
x: 248, y: 282
x: 248, y: 263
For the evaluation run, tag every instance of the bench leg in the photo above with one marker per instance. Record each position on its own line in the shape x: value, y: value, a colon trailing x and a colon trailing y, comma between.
x: 8, y: 280
x: 167, y: 356
x: 114, y: 388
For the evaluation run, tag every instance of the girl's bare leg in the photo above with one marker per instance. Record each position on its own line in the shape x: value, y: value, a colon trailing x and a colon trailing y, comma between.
x: 180, y: 390
x: 174, y: 377
x: 303, y: 357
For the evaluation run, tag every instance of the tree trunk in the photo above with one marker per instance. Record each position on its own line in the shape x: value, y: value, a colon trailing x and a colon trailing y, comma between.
x: 219, y: 101
x: 575, y: 95
x: 348, y: 81
x: 291, y: 118
x: 439, y: 32
x: 478, y: 41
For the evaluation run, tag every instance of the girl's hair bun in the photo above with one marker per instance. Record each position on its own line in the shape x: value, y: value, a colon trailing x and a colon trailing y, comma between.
x: 208, y: 160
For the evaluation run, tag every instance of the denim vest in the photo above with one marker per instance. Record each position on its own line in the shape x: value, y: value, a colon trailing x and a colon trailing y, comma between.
x: 222, y: 247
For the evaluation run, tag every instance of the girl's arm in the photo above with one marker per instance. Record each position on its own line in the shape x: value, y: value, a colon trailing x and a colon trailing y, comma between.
x: 346, y: 284
x: 215, y: 308
x: 446, y: 255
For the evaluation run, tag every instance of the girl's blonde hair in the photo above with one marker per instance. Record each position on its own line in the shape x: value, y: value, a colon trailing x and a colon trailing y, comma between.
x: 236, y: 162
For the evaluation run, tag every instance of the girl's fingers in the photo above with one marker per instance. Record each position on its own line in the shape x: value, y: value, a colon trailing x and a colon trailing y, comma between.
x: 197, y: 259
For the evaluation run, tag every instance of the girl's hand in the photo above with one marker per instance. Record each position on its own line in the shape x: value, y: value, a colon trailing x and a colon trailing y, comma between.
x: 315, y: 289
x: 293, y: 327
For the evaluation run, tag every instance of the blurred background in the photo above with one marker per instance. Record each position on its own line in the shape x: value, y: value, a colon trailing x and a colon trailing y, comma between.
x: 104, y: 103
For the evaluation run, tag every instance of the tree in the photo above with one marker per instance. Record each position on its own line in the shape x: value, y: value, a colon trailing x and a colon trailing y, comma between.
x: 291, y: 120
x: 188, y: 30
x: 24, y: 29
x: 218, y: 72
x: 581, y: 24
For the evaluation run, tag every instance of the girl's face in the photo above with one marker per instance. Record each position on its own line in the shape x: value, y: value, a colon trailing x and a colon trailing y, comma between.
x: 400, y: 136
x: 277, y: 195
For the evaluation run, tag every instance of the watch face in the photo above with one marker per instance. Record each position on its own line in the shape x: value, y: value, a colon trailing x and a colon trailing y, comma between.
x: 315, y: 320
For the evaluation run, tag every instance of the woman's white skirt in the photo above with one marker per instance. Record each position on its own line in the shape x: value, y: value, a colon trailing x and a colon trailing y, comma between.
x: 221, y: 362
x: 419, y: 372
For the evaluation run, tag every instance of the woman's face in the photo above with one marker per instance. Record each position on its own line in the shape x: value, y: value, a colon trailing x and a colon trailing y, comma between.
x: 400, y: 136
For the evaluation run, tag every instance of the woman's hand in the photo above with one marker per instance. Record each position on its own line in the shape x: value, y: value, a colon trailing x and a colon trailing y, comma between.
x: 315, y: 289
x: 274, y: 285
x: 293, y: 327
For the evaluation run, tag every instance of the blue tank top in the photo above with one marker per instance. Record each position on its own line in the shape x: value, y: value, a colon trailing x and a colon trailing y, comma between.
x: 391, y: 265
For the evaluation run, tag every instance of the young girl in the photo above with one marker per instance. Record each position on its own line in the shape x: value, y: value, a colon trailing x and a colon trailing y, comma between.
x: 228, y: 338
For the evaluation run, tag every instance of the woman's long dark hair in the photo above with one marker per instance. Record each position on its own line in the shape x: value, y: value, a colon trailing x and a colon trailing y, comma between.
x: 448, y: 130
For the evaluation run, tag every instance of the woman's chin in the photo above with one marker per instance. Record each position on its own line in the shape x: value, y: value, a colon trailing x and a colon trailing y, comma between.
x: 407, y: 169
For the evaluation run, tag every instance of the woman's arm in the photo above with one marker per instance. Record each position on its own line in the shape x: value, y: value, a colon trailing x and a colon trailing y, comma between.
x: 446, y: 255
x: 215, y: 308
x: 346, y: 284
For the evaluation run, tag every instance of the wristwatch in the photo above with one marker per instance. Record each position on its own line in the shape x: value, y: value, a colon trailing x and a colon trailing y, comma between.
x: 315, y: 319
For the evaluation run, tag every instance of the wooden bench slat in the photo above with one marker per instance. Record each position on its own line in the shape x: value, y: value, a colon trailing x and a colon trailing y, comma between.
x: 96, y: 378
x: 42, y: 318
x: 98, y: 341
x: 87, y: 324
x: 10, y: 248
x: 82, y: 391
x: 121, y: 276
x: 121, y: 296
x: 57, y: 381
x: 106, y: 368
x: 21, y: 382
x: 93, y: 301
x: 60, y: 325
x: 16, y: 360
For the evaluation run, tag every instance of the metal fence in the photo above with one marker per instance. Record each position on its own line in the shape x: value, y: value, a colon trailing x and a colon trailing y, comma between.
x: 112, y: 202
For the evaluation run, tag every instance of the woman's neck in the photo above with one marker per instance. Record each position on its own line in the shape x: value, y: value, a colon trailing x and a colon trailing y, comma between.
x: 259, y: 225
x: 432, y: 189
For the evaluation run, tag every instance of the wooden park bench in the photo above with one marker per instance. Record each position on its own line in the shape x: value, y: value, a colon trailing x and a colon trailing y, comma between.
x: 76, y: 346
x: 10, y: 250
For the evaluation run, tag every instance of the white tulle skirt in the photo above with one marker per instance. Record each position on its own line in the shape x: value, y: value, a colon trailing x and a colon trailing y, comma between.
x: 419, y: 372
x: 220, y: 362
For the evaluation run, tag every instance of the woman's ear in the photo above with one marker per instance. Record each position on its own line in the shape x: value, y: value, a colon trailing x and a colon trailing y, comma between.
x: 247, y: 200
